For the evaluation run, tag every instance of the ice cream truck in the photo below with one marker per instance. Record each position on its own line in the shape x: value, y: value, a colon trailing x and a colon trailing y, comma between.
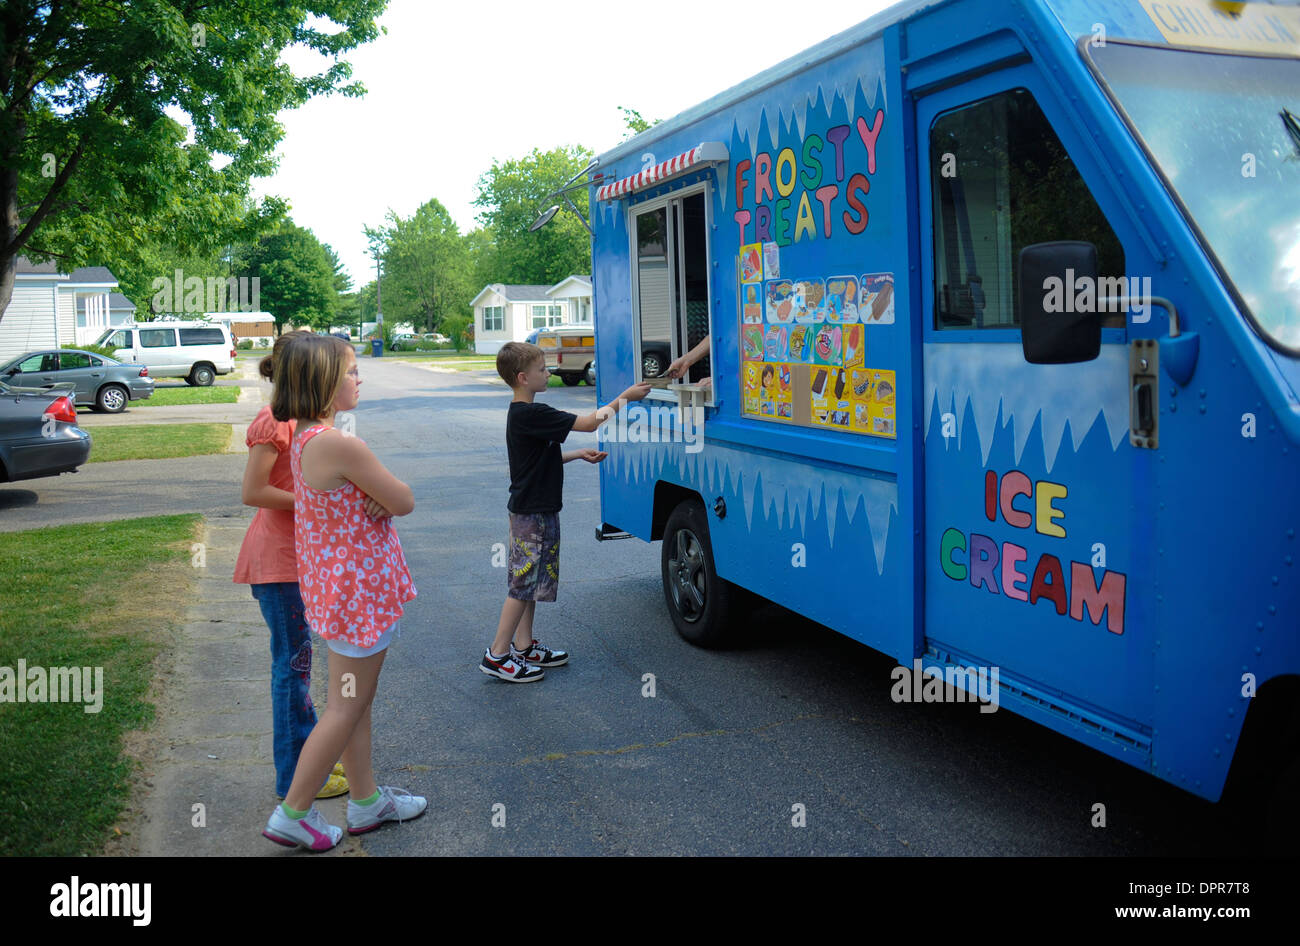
x: 999, y: 309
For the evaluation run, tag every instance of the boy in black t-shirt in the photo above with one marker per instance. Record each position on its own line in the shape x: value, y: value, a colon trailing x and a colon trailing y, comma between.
x: 534, y: 433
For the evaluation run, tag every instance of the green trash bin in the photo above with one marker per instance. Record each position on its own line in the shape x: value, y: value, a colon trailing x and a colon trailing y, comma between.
x: 377, y: 348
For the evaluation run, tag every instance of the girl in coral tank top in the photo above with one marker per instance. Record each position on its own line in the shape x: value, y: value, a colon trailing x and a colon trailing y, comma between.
x: 353, y: 579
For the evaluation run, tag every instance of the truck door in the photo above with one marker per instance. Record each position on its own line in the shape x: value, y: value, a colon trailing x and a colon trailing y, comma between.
x: 1036, y: 553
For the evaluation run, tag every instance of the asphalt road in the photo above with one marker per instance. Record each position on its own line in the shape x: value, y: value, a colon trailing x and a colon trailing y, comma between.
x: 788, y: 744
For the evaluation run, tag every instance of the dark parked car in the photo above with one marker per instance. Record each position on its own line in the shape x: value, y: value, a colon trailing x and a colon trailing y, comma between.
x: 655, y: 358
x: 101, y: 383
x: 39, y: 435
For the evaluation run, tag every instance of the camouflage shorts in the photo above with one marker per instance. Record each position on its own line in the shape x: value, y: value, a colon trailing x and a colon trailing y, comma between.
x: 534, y: 556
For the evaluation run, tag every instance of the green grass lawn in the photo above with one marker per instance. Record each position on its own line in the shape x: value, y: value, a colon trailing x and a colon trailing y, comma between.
x: 157, y: 441
x: 169, y: 397
x: 100, y: 596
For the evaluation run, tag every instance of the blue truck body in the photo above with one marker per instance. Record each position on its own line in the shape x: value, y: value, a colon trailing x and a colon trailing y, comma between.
x: 903, y: 474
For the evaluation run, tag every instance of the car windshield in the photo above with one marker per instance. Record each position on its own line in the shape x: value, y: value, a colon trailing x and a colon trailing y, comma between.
x: 1225, y: 132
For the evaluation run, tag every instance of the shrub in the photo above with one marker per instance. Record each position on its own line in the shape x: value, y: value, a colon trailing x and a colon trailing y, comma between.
x: 93, y: 349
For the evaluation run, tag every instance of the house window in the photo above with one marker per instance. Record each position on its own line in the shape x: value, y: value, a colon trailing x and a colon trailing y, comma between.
x: 545, y: 316
x: 494, y: 318
x: 672, y: 283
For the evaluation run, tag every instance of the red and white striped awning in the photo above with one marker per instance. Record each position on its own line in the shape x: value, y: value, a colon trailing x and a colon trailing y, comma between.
x: 707, y: 153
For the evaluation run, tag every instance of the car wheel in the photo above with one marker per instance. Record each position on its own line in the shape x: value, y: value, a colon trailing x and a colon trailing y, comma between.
x: 590, y: 374
x: 571, y: 379
x: 202, y: 375
x: 652, y: 365
x: 111, y: 398
x: 700, y: 603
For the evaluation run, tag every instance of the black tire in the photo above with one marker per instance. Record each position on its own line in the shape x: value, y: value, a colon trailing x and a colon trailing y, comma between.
x: 652, y: 365
x: 701, y: 604
x: 202, y: 375
x: 112, y: 399
x: 570, y: 379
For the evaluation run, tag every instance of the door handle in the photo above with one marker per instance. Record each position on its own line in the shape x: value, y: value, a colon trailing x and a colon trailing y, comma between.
x: 1144, y: 393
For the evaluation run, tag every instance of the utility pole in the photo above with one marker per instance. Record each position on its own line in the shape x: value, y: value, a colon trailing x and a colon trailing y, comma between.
x: 379, y: 294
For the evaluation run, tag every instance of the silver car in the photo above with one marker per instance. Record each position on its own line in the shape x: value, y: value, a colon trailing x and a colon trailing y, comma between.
x: 101, y: 383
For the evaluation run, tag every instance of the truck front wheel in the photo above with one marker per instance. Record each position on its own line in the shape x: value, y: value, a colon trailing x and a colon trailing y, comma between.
x: 700, y: 603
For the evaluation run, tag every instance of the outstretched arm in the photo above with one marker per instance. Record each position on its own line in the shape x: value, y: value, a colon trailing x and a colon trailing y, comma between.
x: 586, y: 423
x: 679, y: 367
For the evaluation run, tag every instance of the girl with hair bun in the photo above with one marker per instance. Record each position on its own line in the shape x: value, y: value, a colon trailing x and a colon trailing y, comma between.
x: 267, y: 563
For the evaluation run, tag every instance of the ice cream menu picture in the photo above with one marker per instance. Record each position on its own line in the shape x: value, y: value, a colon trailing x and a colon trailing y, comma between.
x: 804, y: 346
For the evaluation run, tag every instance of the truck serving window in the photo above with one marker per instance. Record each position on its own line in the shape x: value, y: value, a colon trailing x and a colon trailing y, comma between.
x: 1224, y: 130
x: 672, y: 277
x: 1000, y: 180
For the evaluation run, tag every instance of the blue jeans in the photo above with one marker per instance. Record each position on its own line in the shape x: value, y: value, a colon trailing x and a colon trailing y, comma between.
x: 292, y: 714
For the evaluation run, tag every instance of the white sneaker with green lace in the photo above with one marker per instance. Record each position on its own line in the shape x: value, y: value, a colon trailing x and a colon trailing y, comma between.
x: 312, y: 832
x: 393, y: 804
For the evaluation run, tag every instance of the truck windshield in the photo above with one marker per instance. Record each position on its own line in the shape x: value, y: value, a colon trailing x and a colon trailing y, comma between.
x: 1225, y: 132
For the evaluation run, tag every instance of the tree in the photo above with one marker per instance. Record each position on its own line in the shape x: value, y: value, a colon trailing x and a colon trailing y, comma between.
x: 427, y: 270
x: 357, y: 307
x: 91, y: 166
x: 512, y: 194
x: 297, y: 278
x: 342, y: 281
x: 634, y: 122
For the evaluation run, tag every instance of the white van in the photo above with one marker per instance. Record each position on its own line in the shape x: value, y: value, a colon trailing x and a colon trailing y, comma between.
x: 195, y: 351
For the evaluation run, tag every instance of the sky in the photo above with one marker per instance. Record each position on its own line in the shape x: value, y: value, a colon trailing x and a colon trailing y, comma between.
x: 454, y: 87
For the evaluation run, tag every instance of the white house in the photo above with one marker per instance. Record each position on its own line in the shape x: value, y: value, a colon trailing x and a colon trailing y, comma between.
x: 575, y: 293
x: 50, y: 309
x: 510, y: 313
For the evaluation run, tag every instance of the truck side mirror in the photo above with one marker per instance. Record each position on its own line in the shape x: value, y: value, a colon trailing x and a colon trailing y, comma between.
x: 1060, y: 318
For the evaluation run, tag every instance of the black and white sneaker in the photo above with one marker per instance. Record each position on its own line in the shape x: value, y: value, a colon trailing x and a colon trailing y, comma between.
x: 541, y: 656
x: 510, y: 668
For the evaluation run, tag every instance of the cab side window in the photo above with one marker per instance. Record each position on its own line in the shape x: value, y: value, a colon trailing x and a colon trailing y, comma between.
x: 1001, y: 180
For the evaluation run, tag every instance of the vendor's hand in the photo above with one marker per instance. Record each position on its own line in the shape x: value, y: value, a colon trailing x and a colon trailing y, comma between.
x: 677, y: 368
x: 706, y: 382
x: 374, y: 509
x: 590, y: 454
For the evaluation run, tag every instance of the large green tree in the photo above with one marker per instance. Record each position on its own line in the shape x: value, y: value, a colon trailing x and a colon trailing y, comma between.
x: 512, y: 194
x: 297, y: 278
x: 427, y: 274
x: 92, y: 166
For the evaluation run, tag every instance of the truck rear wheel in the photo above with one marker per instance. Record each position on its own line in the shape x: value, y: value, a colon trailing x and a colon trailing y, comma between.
x: 700, y: 603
